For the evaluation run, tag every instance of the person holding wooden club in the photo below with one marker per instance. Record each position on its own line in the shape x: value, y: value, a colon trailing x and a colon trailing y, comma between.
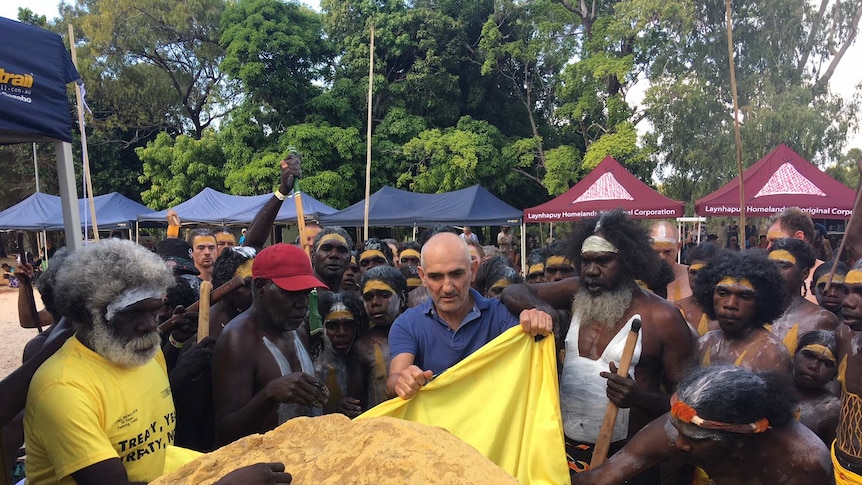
x: 611, y: 252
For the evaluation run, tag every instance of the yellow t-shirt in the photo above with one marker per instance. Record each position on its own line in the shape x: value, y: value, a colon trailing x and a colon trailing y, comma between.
x: 82, y: 410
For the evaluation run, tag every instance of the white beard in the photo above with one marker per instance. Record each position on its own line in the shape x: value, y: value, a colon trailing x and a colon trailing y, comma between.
x: 605, y: 310
x: 134, y: 353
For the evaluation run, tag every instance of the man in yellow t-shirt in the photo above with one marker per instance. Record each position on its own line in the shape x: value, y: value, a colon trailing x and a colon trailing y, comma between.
x: 100, y: 410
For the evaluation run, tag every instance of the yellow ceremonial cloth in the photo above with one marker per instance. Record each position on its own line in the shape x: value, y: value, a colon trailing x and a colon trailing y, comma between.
x: 842, y: 476
x: 503, y: 400
x: 176, y: 457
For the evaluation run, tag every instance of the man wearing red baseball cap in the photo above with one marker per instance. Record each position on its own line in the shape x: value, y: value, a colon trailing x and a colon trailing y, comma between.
x: 263, y: 374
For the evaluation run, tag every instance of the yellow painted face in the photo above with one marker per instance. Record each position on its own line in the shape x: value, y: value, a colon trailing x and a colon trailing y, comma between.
x: 782, y: 255
x: 728, y: 281
x: 854, y: 277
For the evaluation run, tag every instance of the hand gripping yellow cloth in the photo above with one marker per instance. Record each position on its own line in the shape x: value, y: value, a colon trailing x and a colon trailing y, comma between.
x: 504, y: 400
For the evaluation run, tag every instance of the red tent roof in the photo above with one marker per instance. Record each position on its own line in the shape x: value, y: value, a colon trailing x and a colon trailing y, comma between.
x: 607, y: 187
x: 779, y: 180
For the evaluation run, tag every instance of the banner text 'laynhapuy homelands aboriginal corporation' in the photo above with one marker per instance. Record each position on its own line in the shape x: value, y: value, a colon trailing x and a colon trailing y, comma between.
x: 766, y: 211
x: 564, y: 215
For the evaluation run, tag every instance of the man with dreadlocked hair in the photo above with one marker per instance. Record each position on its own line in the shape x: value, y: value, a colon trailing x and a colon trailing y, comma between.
x: 611, y: 252
x: 743, y: 292
x: 494, y: 275
x: 735, y: 424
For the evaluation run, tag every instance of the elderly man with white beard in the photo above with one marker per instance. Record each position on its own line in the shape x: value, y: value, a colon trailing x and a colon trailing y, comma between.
x: 610, y: 252
x: 100, y: 410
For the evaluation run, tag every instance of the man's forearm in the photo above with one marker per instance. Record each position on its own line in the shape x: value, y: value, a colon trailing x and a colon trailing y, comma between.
x: 245, y: 420
x: 260, y: 226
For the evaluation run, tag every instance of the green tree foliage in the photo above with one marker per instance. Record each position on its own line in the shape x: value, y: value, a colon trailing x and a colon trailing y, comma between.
x: 846, y: 169
x: 277, y: 49
x: 178, y: 39
x: 178, y: 168
x: 785, y: 53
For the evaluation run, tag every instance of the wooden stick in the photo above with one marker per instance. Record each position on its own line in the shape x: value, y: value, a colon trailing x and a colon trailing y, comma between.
x: 368, y: 132
x: 728, y: 14
x: 204, y: 311
x: 849, y: 230
x: 84, y: 152
x: 215, y: 297
x: 27, y: 286
x: 603, y: 443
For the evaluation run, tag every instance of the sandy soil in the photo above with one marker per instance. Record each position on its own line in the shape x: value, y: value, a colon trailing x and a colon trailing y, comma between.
x: 12, y: 336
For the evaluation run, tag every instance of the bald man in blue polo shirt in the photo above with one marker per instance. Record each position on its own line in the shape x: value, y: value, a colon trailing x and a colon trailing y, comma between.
x: 453, y: 323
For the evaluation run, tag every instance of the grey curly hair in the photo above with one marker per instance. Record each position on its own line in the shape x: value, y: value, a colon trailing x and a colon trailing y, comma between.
x: 94, y: 276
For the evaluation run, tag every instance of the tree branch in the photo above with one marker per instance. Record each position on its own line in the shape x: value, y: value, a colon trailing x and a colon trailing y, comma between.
x: 854, y: 29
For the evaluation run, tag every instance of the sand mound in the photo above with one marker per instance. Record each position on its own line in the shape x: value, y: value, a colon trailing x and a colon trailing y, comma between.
x: 332, y: 449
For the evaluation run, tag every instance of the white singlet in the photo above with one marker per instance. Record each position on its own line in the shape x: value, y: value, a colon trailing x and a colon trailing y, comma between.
x: 583, y: 392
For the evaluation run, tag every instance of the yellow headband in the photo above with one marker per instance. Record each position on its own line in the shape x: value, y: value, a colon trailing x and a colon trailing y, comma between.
x: 820, y: 350
x: 536, y: 269
x: 413, y: 282
x: 557, y: 261
x: 376, y: 285
x: 598, y: 244
x: 854, y: 277
x: 696, y: 266
x: 837, y: 279
x: 663, y: 245
x: 782, y: 255
x: 244, y: 269
x: 410, y: 253
x: 330, y: 237
x: 501, y: 283
x: 370, y: 254
x: 338, y: 315
x: 727, y: 280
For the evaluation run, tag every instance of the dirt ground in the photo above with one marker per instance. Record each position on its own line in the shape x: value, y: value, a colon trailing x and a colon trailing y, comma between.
x: 12, y: 336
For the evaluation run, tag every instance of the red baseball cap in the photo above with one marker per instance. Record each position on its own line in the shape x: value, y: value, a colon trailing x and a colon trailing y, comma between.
x: 287, y: 266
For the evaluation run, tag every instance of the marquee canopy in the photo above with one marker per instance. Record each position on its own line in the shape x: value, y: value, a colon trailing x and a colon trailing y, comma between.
x: 210, y: 206
x: 606, y: 187
x: 389, y: 207
x: 779, y: 180
x: 40, y: 212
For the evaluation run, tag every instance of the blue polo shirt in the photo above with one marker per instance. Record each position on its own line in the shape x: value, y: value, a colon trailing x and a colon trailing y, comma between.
x: 421, y: 332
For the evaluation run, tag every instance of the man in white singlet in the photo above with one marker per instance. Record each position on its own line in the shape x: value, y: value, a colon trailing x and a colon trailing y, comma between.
x: 611, y: 252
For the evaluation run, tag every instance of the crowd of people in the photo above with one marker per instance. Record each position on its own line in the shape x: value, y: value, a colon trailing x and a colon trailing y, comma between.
x: 745, y: 369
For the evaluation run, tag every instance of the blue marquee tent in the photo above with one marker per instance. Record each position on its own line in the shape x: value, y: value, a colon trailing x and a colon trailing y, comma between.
x: 113, y: 211
x: 43, y: 212
x: 36, y: 67
x: 213, y: 207
x: 31, y: 214
x: 393, y: 207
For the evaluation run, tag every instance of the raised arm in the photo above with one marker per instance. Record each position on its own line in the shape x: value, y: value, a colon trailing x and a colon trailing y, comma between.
x: 291, y: 169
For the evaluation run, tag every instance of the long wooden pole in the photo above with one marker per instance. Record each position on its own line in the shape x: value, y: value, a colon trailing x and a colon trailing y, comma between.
x: 82, y: 127
x: 204, y: 310
x: 368, y: 134
x: 735, y: 115
x: 603, y: 443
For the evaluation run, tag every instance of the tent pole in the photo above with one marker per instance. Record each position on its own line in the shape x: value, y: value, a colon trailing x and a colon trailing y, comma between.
x: 414, y: 230
x: 137, y: 232
x: 68, y: 195
x: 368, y: 134
x: 524, y: 247
x: 36, y: 166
